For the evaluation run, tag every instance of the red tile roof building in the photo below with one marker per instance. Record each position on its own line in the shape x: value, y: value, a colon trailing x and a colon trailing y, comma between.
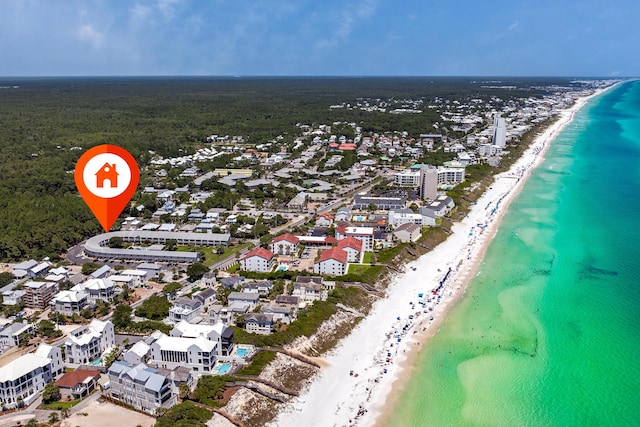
x: 332, y: 262
x: 259, y: 259
x: 285, y: 244
x: 353, y: 248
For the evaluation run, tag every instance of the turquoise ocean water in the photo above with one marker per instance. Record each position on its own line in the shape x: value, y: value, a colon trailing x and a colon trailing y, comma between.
x: 548, y: 334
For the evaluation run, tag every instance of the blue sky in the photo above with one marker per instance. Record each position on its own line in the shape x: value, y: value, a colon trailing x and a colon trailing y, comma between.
x: 319, y: 37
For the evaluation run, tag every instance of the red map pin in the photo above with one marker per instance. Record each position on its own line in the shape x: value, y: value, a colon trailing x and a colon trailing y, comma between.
x: 107, y: 177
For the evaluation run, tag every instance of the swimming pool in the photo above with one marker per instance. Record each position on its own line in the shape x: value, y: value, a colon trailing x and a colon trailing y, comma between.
x: 242, y: 352
x: 97, y: 362
x: 282, y: 268
x: 222, y: 369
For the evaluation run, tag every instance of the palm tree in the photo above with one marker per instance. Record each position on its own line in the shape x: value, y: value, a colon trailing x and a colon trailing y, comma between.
x: 53, y: 417
x: 32, y: 423
x: 184, y: 390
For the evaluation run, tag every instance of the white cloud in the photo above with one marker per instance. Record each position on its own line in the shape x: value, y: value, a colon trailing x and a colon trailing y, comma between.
x: 167, y: 7
x: 352, y: 14
x: 87, y: 33
x: 513, y: 26
x: 140, y: 12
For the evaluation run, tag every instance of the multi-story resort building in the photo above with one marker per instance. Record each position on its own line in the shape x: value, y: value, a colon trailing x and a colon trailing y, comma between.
x: 23, y: 379
x: 332, y: 262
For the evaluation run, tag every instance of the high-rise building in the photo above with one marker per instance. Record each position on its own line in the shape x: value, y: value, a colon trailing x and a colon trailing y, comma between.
x: 499, y: 131
x: 428, y: 187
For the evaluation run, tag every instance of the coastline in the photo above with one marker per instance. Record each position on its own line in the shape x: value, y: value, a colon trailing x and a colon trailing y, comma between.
x: 368, y: 370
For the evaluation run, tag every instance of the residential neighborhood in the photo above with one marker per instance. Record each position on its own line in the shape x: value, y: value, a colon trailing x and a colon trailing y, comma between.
x: 211, y: 266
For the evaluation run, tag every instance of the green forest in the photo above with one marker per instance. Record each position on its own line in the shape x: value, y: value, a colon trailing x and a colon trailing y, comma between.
x: 46, y: 124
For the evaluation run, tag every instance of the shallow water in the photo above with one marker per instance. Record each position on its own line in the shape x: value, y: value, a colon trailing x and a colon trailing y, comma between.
x: 547, y: 334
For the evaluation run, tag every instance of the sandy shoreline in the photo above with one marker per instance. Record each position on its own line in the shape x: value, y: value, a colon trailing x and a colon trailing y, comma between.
x: 368, y: 370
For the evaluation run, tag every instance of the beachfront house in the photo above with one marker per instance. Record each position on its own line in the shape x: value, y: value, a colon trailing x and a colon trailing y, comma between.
x: 198, y: 354
x: 140, y: 386
x: 428, y: 217
x: 259, y: 323
x: 408, y: 232
x: 310, y: 288
x: 404, y: 216
x: 217, y: 332
x: 280, y: 312
x: 442, y: 205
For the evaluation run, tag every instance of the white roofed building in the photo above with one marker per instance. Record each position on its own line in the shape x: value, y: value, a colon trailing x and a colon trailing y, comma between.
x: 198, y: 354
x: 24, y: 378
x: 103, y: 289
x: 89, y: 342
x: 69, y: 302
x: 365, y: 234
x: 217, y: 332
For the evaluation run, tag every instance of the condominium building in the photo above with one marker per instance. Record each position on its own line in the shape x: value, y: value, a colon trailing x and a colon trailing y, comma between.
x: 38, y: 295
x: 259, y: 259
x: 364, y: 234
x: 332, y: 262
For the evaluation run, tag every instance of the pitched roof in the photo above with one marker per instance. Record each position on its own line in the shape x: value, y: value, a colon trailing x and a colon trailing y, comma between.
x: 408, y: 226
x: 22, y: 366
x: 73, y: 378
x: 350, y: 242
x: 287, y: 237
x: 335, y: 254
x: 259, y: 252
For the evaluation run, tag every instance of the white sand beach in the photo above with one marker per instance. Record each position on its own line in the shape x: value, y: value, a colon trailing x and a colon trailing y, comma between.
x: 369, y: 367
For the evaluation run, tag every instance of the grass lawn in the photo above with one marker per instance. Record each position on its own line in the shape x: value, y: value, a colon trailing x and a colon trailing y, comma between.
x: 56, y: 406
x: 358, y: 268
x: 368, y: 258
x: 210, y: 256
